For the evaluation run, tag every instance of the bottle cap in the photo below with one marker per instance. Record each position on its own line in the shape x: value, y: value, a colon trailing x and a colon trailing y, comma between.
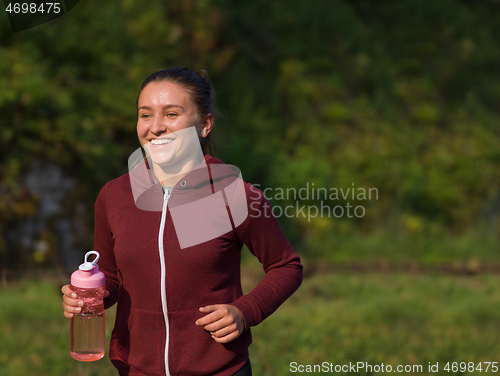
x: 88, y: 275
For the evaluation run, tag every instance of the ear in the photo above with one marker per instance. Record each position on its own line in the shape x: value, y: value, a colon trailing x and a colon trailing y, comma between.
x: 207, y: 124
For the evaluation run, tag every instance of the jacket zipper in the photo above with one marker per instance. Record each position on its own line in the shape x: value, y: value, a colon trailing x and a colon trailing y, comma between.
x: 166, y: 195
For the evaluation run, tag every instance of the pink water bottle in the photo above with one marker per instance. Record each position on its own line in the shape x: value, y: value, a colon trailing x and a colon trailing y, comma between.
x: 87, y: 332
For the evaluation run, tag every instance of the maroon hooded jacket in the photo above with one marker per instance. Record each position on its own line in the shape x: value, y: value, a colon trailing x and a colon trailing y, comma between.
x: 160, y: 286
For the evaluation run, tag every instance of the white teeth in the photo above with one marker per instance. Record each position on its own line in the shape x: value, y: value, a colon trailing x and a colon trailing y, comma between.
x: 161, y: 141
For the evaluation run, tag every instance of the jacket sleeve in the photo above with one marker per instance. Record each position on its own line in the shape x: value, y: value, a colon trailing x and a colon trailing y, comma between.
x: 104, y: 244
x: 263, y: 236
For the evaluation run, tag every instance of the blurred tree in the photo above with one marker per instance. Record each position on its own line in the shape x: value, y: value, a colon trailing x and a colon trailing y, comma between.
x: 401, y: 96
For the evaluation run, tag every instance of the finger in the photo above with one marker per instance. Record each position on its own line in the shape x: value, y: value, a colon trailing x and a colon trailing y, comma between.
x: 69, y: 315
x: 72, y: 302
x: 225, y: 331
x: 66, y: 290
x: 230, y: 337
x: 71, y: 308
x: 106, y: 294
x: 70, y: 312
x: 219, y: 324
x: 212, y: 317
x: 210, y: 308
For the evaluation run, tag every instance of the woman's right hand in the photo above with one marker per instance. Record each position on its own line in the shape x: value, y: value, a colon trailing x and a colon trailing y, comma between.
x: 71, y: 304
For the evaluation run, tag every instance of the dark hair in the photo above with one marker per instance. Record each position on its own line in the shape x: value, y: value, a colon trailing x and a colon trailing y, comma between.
x: 199, y: 88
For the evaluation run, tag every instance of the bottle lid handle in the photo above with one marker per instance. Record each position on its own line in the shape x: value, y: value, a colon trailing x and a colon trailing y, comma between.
x: 87, y: 265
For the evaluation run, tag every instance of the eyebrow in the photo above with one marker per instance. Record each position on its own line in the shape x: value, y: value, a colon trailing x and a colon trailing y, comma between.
x: 164, y: 107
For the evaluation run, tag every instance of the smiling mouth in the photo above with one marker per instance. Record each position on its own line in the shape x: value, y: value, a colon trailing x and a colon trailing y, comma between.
x: 162, y: 141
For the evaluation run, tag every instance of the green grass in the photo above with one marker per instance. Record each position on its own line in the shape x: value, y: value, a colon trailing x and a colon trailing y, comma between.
x: 376, y: 318
x: 430, y: 247
x: 382, y: 318
x: 34, y: 334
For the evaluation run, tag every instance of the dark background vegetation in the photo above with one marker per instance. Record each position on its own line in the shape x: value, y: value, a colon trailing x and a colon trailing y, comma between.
x: 402, y: 96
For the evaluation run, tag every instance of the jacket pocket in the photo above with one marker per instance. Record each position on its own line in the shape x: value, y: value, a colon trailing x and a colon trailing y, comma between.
x: 193, y: 351
x: 138, y: 340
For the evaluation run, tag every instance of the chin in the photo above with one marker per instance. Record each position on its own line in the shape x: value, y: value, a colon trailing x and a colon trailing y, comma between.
x: 163, y: 159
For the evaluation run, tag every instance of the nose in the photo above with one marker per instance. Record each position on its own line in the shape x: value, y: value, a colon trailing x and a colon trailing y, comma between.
x: 158, y: 127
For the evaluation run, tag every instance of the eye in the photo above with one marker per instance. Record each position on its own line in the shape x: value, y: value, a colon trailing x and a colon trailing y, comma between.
x: 171, y: 114
x: 145, y: 115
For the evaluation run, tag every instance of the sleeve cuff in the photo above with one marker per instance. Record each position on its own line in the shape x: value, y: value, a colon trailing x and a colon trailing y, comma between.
x: 249, y: 311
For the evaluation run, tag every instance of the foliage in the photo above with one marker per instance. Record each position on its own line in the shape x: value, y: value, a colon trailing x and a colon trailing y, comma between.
x: 401, y: 96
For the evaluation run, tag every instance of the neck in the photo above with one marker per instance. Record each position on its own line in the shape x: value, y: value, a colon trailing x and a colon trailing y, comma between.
x: 170, y: 175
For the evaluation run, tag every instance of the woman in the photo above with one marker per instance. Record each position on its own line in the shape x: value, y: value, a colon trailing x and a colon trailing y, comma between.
x: 171, y: 255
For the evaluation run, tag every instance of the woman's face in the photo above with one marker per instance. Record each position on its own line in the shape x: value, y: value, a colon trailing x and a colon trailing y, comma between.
x: 168, y: 124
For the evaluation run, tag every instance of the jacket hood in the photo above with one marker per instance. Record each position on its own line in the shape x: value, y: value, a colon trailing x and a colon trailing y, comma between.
x: 204, y: 204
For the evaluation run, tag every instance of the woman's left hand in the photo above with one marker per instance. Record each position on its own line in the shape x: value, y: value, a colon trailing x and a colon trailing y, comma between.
x: 224, y: 321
